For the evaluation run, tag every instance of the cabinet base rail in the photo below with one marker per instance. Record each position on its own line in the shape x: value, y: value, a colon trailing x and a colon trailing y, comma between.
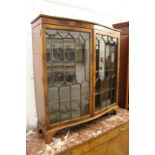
x: 49, y: 133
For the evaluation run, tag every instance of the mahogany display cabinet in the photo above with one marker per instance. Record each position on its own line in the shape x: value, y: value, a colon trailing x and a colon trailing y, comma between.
x: 76, y: 68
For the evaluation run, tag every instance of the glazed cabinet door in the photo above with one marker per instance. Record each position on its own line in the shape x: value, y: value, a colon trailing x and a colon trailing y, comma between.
x: 68, y: 73
x: 106, y: 47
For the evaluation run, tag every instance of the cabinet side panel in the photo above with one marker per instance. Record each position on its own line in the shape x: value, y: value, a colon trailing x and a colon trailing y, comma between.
x: 123, y: 99
x: 124, y: 56
x: 38, y: 74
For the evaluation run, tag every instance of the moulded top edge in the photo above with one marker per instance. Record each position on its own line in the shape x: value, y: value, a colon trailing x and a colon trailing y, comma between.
x: 78, y: 20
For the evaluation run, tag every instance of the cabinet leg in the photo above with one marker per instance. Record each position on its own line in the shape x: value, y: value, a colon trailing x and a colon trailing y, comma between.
x: 116, y: 111
x: 113, y: 112
x: 40, y: 133
x: 49, y: 135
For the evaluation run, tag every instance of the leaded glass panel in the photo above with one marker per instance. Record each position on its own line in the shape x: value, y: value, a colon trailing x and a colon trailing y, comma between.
x: 106, y: 71
x: 67, y: 59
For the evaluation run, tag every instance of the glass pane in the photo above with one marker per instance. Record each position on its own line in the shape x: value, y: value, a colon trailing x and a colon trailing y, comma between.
x: 108, y: 101
x: 53, y: 104
x: 97, y: 102
x: 57, y: 48
x: 113, y: 96
x: 100, y: 73
x: 80, y: 61
x: 112, y: 57
x: 106, y: 69
x: 102, y: 59
x: 107, y: 81
x: 75, y: 99
x: 105, y: 38
x: 98, y: 86
x: 48, y: 50
x: 103, y: 84
x: 113, y: 80
x: 97, y: 55
x: 70, y: 76
x: 85, y: 99
x: 58, y: 75
x: 86, y: 35
x: 69, y: 48
x: 65, y: 104
x: 113, y: 85
x: 104, y: 98
x: 49, y: 76
x: 67, y: 59
x: 107, y: 57
x: 50, y: 33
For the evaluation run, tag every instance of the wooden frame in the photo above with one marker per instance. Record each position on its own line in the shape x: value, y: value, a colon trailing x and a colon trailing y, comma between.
x: 123, y: 99
x: 46, y: 26
x: 40, y: 71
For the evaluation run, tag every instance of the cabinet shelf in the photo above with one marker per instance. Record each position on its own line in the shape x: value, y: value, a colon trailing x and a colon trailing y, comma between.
x: 61, y: 65
x: 107, y: 70
x: 104, y: 91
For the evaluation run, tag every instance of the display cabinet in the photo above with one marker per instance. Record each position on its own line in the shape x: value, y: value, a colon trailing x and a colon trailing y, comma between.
x: 76, y: 65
